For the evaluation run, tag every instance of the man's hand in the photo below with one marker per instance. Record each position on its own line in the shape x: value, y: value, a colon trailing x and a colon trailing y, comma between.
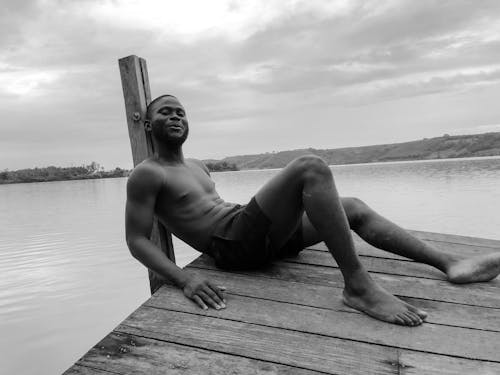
x: 204, y: 293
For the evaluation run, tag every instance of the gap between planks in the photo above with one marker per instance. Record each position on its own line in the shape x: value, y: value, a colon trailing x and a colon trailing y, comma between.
x: 312, y: 351
x: 111, y: 352
x: 478, y: 294
x: 426, y: 338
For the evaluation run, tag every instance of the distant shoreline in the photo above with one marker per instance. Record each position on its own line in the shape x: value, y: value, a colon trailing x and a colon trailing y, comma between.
x: 68, y: 179
x: 97, y: 177
x: 84, y: 172
x: 439, y: 148
x: 386, y: 162
x: 444, y: 147
x: 92, y: 171
x: 422, y: 160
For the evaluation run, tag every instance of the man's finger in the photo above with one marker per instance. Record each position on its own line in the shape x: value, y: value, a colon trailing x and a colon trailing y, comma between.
x: 200, y: 302
x: 218, y: 290
x: 208, y: 300
x: 211, y: 293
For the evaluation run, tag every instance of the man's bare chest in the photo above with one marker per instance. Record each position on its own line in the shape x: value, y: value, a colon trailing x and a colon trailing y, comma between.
x: 184, y: 185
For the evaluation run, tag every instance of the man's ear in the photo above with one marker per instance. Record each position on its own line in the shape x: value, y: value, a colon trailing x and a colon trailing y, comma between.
x: 147, y: 125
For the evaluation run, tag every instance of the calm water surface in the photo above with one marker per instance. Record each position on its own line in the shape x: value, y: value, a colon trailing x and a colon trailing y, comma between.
x: 67, y: 278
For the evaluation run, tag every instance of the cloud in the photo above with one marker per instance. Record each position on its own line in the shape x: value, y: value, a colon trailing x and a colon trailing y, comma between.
x: 22, y: 82
x: 238, y: 66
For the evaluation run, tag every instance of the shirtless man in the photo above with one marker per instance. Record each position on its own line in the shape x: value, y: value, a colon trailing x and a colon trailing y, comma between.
x: 297, y: 208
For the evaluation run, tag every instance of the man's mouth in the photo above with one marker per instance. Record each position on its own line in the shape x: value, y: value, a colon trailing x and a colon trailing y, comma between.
x: 176, y: 127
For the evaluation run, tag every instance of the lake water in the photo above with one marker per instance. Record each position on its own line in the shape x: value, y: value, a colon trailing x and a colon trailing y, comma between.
x: 67, y: 278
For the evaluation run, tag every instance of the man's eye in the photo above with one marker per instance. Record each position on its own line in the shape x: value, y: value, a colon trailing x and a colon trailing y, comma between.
x: 180, y: 113
x: 165, y: 111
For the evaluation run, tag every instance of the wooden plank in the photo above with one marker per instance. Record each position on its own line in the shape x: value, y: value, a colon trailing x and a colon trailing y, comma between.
x: 403, y: 266
x: 135, y: 107
x: 479, y: 294
x: 417, y: 363
x: 301, y: 350
x: 128, y: 354
x: 376, y: 264
x: 465, y: 250
x: 330, y: 355
x: 137, y: 95
x: 328, y: 297
x: 433, y: 338
x: 83, y: 370
x: 145, y: 80
x: 454, y: 238
x: 372, y: 264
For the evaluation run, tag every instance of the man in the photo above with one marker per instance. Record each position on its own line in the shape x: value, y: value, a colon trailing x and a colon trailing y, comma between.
x: 297, y: 208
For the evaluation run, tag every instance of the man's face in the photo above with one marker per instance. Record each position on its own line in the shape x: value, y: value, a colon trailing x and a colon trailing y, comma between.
x: 169, y: 123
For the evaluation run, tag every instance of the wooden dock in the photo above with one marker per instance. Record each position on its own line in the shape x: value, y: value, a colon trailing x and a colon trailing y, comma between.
x: 289, y: 319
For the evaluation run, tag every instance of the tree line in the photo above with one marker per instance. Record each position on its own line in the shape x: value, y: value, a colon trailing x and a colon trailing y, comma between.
x: 219, y: 166
x: 52, y: 173
x: 91, y: 171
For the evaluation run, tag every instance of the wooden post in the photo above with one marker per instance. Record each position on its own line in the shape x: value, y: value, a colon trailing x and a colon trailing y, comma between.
x: 137, y: 95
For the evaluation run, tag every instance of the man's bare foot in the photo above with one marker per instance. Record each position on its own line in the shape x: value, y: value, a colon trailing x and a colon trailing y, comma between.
x: 361, y: 293
x: 473, y: 270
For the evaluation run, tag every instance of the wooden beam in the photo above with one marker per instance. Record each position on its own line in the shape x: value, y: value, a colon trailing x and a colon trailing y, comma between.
x: 137, y: 95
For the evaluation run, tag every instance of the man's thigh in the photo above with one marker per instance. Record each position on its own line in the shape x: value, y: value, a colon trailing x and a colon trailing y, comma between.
x: 281, y: 201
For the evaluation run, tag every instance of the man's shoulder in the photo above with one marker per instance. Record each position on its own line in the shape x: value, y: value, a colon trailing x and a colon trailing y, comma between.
x: 149, y: 167
x: 147, y: 173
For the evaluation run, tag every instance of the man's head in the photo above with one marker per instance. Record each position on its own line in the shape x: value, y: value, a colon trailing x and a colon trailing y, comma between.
x: 166, y: 120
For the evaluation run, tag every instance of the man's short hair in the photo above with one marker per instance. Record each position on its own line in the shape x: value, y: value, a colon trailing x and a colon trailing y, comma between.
x: 151, y: 105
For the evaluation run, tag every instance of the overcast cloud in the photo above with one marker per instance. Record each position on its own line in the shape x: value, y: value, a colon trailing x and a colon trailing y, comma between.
x: 254, y: 76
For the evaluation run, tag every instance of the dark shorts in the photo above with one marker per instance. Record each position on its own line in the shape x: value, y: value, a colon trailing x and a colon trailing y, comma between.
x: 241, y: 240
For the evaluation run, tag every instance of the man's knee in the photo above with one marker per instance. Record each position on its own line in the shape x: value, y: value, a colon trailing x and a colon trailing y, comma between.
x: 356, y: 210
x: 311, y: 167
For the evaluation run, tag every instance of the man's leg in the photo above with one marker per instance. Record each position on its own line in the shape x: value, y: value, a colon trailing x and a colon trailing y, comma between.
x: 307, y: 184
x: 385, y: 235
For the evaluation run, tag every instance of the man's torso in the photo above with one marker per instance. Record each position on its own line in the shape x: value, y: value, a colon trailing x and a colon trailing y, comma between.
x: 187, y: 202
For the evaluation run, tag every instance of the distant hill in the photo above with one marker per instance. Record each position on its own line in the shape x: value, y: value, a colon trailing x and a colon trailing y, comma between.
x: 459, y: 146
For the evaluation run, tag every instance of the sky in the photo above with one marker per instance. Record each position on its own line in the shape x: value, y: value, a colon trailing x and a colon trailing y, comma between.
x: 254, y: 76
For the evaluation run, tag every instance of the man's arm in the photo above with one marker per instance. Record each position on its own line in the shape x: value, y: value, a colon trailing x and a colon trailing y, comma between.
x: 143, y: 187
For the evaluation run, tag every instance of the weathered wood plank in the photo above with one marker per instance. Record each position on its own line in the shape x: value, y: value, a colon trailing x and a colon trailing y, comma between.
x: 479, y: 294
x: 417, y: 363
x: 433, y: 338
x: 330, y: 355
x: 454, y: 238
x: 375, y: 264
x: 83, y: 370
x: 134, y: 94
x: 302, y: 350
x: 129, y: 354
x: 137, y: 95
x: 328, y: 297
x: 466, y: 250
x: 372, y: 264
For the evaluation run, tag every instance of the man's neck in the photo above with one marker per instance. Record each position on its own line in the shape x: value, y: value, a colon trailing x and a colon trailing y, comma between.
x: 169, y: 154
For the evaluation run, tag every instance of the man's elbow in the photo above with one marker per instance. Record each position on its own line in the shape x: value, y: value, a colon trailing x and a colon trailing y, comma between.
x: 134, y: 244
